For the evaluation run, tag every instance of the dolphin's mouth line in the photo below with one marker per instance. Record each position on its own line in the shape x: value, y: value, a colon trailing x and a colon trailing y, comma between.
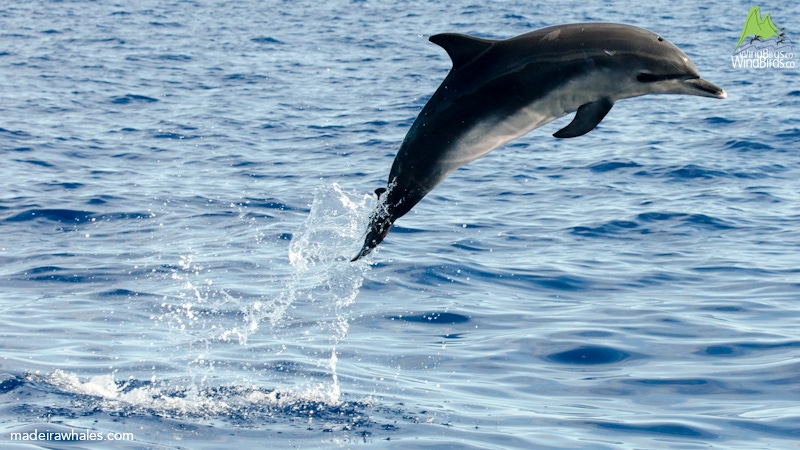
x: 711, y: 90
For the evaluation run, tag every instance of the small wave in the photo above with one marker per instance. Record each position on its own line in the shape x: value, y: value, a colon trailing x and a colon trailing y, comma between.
x: 170, y: 57
x: 65, y: 275
x: 613, y: 228
x: 793, y: 133
x: 612, y: 165
x: 715, y: 120
x: 434, y: 318
x: 174, y: 136
x: 661, y: 429
x: 661, y: 221
x: 122, y: 293
x: 17, y: 133
x: 745, y: 145
x: 655, y: 216
x: 265, y: 40
x: 132, y: 98
x: 35, y: 162
x: 56, y: 215
x: 693, y: 171
x: 590, y: 355
x: 74, y: 216
x: 708, y: 221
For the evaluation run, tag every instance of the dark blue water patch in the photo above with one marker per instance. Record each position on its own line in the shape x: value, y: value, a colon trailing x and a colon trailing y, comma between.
x: 16, y: 133
x: 662, y: 429
x: 768, y: 429
x: 612, y: 165
x: 745, y: 145
x: 589, y: 355
x: 66, y: 185
x: 724, y: 308
x: 175, y: 136
x: 565, y: 283
x: 655, y: 216
x: 56, y: 215
x: 179, y: 58
x: 246, y: 78
x: 708, y: 222
x: 132, y: 98
x: 267, y: 204
x: 719, y: 350
x: 10, y: 382
x: 689, y: 386
x: 693, y: 171
x: 63, y: 275
x: 35, y: 162
x: 122, y: 293
x: 166, y: 24
x: 769, y: 345
x: 718, y: 120
x: 125, y: 216
x: 265, y: 40
x: 744, y: 348
x: 794, y: 94
x: 435, y: 318
x: 610, y: 229
x: 790, y: 134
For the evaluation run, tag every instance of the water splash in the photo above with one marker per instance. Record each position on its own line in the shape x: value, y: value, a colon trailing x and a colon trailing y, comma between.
x: 306, y: 321
x: 320, y: 253
x: 205, y: 324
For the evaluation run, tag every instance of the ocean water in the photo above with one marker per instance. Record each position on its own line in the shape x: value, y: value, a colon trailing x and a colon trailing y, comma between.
x: 182, y: 183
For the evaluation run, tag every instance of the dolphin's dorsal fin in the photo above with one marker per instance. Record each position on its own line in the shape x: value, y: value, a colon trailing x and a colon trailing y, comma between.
x: 461, y: 48
x: 587, y: 117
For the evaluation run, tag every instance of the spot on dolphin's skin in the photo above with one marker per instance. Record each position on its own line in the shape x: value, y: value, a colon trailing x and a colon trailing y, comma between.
x: 589, y: 355
x: 552, y: 36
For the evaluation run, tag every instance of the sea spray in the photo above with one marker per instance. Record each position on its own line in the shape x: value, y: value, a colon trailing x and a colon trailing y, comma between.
x: 307, y: 321
x: 324, y: 279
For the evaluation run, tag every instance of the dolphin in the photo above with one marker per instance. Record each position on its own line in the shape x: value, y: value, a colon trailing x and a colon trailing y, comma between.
x: 499, y: 90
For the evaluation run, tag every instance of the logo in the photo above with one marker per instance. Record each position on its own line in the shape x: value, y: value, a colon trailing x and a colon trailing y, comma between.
x: 762, y: 45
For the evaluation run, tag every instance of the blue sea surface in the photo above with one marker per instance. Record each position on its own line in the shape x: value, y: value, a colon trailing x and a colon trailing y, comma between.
x: 184, y: 182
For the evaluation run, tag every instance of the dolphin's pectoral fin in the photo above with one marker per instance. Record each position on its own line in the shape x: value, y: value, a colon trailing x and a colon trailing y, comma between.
x: 461, y: 48
x: 587, y: 117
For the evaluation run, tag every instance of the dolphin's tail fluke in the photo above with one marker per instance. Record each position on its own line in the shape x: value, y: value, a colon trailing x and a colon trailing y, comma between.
x: 379, y: 225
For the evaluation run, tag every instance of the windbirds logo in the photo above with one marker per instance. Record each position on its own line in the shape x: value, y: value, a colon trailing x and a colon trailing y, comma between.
x: 762, y: 44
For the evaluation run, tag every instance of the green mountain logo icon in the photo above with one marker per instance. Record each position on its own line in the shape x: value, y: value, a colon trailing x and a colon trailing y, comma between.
x: 760, y: 28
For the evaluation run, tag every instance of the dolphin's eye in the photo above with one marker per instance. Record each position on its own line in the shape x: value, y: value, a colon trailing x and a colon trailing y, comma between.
x: 645, y: 77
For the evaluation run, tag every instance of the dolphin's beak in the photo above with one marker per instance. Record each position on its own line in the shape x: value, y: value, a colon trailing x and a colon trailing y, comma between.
x: 702, y: 88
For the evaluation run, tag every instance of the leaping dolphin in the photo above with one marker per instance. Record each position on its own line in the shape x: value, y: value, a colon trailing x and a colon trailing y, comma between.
x: 500, y: 90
